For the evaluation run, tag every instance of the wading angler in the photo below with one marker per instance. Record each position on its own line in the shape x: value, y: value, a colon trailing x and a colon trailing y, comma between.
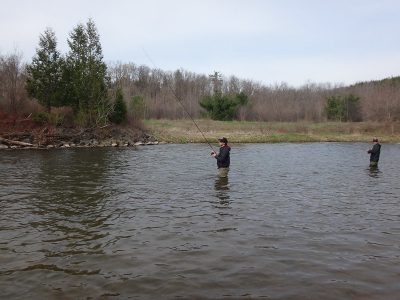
x: 374, y: 153
x: 223, y: 157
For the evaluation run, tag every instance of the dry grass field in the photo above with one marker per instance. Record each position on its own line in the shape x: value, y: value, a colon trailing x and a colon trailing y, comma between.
x: 184, y: 131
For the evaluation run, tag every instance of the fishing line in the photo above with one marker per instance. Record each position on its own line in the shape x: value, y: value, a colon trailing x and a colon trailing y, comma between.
x: 180, y: 101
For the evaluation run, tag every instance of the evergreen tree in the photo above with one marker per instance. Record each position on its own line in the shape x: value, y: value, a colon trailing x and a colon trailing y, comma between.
x: 334, y: 108
x: 119, y: 114
x: 223, y: 107
x: 85, y: 74
x: 343, y: 108
x: 44, y: 73
x: 74, y: 75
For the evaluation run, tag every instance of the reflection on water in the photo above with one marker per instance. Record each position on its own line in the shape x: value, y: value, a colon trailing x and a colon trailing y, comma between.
x: 69, y: 202
x: 374, y: 171
x: 63, y: 216
x: 222, y: 189
x: 120, y: 224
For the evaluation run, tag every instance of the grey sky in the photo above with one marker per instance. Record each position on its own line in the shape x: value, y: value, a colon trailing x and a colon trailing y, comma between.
x: 267, y: 41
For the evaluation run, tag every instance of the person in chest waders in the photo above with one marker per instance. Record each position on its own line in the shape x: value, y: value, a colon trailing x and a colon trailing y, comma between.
x: 374, y: 153
x: 223, y: 157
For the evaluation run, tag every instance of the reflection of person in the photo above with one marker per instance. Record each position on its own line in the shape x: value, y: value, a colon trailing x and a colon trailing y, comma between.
x: 222, y: 189
x: 374, y: 172
x: 374, y: 153
x: 223, y: 157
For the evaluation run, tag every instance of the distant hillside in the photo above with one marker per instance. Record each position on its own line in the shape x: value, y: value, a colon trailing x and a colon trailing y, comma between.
x: 151, y: 94
x: 390, y: 80
x: 379, y: 99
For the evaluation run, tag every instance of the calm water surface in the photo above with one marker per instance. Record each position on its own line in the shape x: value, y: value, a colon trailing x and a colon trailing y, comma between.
x: 292, y: 221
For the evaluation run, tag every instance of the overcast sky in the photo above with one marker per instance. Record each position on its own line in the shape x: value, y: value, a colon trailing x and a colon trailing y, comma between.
x: 269, y: 41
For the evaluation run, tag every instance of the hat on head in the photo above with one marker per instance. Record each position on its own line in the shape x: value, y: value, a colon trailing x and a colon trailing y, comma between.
x: 223, y: 140
x: 375, y: 140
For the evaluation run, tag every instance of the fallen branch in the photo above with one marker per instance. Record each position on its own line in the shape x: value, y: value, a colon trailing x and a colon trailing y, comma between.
x: 15, y: 143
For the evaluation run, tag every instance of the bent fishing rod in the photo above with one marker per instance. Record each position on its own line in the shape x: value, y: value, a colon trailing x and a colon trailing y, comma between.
x: 180, y: 102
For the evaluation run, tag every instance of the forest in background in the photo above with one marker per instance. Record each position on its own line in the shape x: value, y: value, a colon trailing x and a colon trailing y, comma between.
x: 374, y: 101
x: 150, y: 93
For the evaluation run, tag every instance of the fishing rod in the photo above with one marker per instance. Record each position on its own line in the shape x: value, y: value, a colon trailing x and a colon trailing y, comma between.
x: 180, y: 102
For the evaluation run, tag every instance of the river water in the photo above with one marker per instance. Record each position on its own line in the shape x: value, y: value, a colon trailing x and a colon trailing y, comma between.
x: 292, y: 221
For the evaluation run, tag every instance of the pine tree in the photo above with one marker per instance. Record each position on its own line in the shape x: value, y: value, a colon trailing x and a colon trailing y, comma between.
x: 75, y: 74
x: 44, y: 73
x: 223, y: 107
x: 120, y: 111
x: 343, y: 108
x: 85, y: 74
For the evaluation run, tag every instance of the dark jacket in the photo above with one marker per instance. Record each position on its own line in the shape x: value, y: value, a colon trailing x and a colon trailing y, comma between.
x: 223, y: 157
x: 375, y: 152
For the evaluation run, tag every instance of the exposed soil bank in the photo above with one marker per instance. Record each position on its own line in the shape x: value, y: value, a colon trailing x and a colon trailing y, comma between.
x: 15, y: 134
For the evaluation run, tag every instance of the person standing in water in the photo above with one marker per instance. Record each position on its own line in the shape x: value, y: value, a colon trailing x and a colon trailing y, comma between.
x: 223, y: 157
x: 374, y: 153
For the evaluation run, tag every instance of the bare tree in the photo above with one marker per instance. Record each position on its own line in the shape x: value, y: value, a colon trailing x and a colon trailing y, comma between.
x: 279, y: 102
x: 12, y: 82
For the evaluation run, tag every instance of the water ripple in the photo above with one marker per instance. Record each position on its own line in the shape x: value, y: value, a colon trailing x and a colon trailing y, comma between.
x: 292, y: 221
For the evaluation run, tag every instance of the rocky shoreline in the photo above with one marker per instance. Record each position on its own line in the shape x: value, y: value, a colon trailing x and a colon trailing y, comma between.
x: 65, y: 138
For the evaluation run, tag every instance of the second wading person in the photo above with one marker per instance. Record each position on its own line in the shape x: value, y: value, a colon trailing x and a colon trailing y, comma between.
x: 223, y: 157
x: 374, y: 153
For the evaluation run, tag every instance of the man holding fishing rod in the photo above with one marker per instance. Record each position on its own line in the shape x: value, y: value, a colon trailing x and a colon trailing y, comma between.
x: 223, y: 157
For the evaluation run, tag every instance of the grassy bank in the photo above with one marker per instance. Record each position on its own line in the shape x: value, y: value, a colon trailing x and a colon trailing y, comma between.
x: 184, y: 131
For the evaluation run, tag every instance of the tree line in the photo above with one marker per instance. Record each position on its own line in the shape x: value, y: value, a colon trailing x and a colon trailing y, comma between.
x: 368, y: 101
x: 81, y: 84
